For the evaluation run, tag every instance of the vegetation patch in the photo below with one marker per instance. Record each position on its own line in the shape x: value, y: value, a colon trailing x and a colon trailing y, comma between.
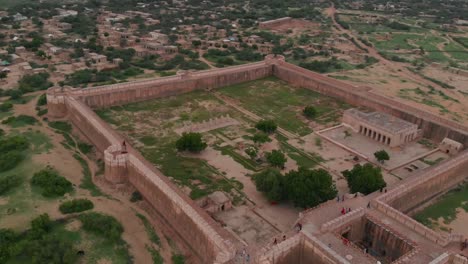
x: 76, y: 206
x: 445, y: 207
x: 20, y: 121
x: 51, y: 183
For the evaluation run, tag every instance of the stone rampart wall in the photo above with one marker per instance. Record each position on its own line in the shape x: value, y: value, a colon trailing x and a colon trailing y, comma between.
x: 119, y: 94
x: 428, y: 183
x: 203, y: 235
x: 433, y: 127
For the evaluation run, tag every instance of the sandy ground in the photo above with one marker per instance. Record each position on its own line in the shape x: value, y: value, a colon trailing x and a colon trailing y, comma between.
x: 459, y: 225
x: 118, y: 206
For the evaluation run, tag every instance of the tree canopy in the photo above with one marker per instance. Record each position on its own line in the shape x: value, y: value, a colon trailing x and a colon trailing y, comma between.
x: 364, y: 178
x: 267, y: 126
x: 192, y: 142
x: 271, y: 183
x: 276, y: 158
x: 381, y: 156
x: 308, y: 188
x: 310, y: 112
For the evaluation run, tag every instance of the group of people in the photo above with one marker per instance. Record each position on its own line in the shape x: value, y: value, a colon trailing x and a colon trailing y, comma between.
x: 345, y: 211
x: 276, y: 240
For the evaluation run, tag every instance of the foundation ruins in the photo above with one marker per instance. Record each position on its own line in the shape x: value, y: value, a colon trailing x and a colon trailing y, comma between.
x: 379, y: 229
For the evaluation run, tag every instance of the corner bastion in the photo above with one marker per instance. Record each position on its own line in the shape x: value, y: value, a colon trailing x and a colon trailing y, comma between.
x: 205, y: 238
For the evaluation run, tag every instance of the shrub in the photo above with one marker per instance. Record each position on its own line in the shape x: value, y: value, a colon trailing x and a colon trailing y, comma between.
x: 5, y: 107
x: 75, y: 206
x: 381, y: 156
x: 261, y: 138
x: 21, y: 120
x: 10, y: 159
x: 267, y: 126
x: 85, y: 148
x: 42, y: 100
x: 60, y: 125
x: 136, y: 196
x: 51, y: 183
x: 310, y: 112
x: 103, y: 225
x: 271, y: 183
x: 191, y: 141
x: 252, y: 152
x: 364, y: 179
x: 276, y: 158
x: 178, y: 259
x: 8, y: 182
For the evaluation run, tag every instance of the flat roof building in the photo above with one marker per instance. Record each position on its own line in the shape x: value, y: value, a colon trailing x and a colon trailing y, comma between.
x: 382, y: 127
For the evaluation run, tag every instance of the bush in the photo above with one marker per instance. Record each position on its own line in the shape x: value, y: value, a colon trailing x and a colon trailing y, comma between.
x: 51, y: 183
x: 271, y: 183
x: 178, y: 259
x: 61, y: 126
x: 21, y: 120
x: 261, y: 138
x: 10, y: 159
x: 85, y: 148
x: 364, y: 179
x: 191, y: 141
x: 102, y: 225
x: 276, y: 158
x: 35, y: 82
x: 75, y: 206
x: 310, y: 112
x: 42, y: 100
x: 381, y: 156
x: 267, y: 126
x: 5, y: 107
x: 136, y: 196
x: 8, y: 182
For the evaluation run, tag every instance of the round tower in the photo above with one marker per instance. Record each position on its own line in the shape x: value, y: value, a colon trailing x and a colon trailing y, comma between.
x: 56, y: 105
x: 115, y: 164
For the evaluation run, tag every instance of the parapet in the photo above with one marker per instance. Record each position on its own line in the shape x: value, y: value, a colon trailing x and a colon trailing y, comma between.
x: 115, y: 161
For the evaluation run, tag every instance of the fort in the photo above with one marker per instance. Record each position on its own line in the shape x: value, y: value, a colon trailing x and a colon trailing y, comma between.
x: 380, y: 221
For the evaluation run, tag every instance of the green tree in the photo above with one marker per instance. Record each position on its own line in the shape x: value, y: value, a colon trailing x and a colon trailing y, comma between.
x: 364, y: 178
x: 308, y: 188
x: 192, y: 142
x: 310, y: 112
x: 3, y: 74
x: 276, y: 158
x: 267, y: 126
x: 76, y: 205
x: 271, y: 183
x: 381, y: 156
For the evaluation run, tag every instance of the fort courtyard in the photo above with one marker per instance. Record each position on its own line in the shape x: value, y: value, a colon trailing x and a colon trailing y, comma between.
x: 209, y: 199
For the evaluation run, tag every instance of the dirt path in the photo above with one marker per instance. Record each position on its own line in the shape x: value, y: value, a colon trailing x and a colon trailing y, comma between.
x: 372, y: 51
x: 118, y: 206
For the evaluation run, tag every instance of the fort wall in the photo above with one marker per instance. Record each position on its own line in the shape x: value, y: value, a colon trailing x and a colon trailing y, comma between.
x: 433, y: 127
x: 119, y: 94
x: 208, y: 241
